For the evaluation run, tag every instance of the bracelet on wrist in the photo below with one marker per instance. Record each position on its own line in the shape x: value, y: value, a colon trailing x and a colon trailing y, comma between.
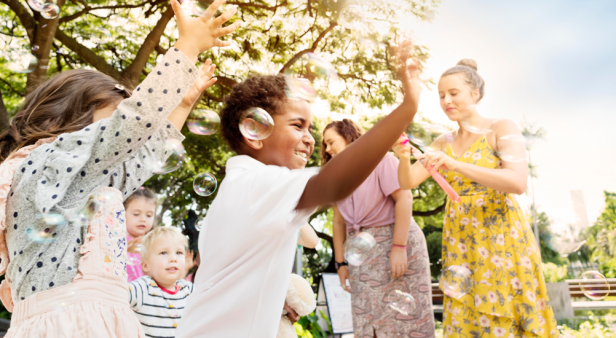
x: 398, y: 246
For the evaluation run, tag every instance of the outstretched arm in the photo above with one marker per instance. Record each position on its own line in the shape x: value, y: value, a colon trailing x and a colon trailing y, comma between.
x: 345, y: 172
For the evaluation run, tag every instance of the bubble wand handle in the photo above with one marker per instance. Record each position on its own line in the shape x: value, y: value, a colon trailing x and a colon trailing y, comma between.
x: 438, y: 177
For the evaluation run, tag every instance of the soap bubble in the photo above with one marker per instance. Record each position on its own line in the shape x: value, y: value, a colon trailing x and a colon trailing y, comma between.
x: 174, y: 161
x: 203, y: 122
x: 133, y: 260
x: 36, y: 5
x: 35, y: 48
x: 472, y: 126
x: 352, y: 17
x: 24, y: 63
x: 205, y: 184
x: 401, y: 302
x: 100, y: 36
x: 317, y: 66
x: 594, y: 285
x: 198, y: 7
x: 359, y: 248
x: 86, y: 213
x: 299, y: 89
x: 50, y: 11
x: 256, y: 124
x: 424, y: 134
x: 199, y: 224
x: 511, y: 148
x: 456, y: 281
x: 49, y: 224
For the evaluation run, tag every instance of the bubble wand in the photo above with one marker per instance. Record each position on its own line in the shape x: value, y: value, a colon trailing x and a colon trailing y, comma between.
x: 436, y: 176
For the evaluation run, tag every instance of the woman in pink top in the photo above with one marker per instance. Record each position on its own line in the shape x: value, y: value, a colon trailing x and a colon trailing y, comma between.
x: 140, y: 214
x: 400, y: 261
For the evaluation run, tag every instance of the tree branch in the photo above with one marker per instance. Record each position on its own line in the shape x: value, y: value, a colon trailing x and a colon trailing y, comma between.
x: 22, y: 94
x: 88, y: 55
x: 430, y: 212
x: 132, y: 73
x: 4, y: 116
x: 267, y: 8
x: 27, y: 20
x: 87, y: 9
x: 314, y: 46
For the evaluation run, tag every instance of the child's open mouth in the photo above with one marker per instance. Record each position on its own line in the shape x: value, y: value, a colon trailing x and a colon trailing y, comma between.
x: 172, y: 270
x: 302, y: 155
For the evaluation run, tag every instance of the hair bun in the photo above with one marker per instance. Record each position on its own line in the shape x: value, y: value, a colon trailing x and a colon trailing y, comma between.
x: 468, y: 63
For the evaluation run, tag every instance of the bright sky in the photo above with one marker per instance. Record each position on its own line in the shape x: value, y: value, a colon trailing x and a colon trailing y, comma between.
x: 553, y: 62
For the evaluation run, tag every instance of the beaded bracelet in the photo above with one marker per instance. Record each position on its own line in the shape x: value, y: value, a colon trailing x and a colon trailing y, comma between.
x: 398, y: 246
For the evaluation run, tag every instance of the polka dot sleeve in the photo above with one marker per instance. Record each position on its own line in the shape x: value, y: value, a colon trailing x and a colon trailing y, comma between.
x: 89, y: 156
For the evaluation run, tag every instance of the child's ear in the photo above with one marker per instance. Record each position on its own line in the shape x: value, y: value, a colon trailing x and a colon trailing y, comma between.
x: 254, y: 144
x: 144, y: 267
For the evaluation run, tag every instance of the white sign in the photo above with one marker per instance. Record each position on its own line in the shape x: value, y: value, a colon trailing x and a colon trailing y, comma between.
x: 338, y: 304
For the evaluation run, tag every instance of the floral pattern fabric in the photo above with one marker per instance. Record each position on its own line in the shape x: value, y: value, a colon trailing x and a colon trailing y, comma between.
x: 487, y: 233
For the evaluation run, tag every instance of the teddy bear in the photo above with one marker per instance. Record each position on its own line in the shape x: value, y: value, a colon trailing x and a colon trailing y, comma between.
x: 300, y: 298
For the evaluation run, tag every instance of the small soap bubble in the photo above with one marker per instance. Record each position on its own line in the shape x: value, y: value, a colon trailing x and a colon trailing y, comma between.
x: 203, y: 122
x: 471, y: 125
x: 594, y: 285
x: 359, y: 248
x: 50, y: 11
x: 317, y: 66
x: 299, y: 89
x: 35, y: 48
x: 100, y: 36
x: 36, y: 5
x: 352, y: 17
x: 133, y: 260
x: 48, y: 223
x: 424, y: 134
x: 61, y: 51
x: 105, y: 196
x: 198, y: 7
x: 456, y: 281
x: 205, y: 184
x: 24, y: 63
x: 564, y: 231
x: 256, y: 124
x: 174, y: 161
x: 200, y: 223
x: 401, y: 302
x: 511, y: 148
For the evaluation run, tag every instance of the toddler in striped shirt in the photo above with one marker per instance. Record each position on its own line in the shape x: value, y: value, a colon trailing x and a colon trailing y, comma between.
x: 158, y: 299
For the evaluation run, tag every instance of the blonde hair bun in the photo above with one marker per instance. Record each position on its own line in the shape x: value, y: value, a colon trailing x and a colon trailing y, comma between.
x: 468, y: 63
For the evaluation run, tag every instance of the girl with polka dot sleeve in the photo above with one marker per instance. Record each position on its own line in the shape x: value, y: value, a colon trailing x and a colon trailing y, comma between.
x: 80, y: 145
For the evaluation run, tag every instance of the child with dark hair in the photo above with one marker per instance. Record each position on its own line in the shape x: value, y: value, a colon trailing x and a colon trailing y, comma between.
x: 250, y: 231
x: 77, y: 135
x: 140, y: 216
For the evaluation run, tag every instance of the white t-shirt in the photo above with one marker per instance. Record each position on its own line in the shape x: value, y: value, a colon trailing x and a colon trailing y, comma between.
x: 247, y: 246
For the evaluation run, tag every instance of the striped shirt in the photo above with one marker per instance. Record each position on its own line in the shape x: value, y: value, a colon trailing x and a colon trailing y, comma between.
x: 159, y: 310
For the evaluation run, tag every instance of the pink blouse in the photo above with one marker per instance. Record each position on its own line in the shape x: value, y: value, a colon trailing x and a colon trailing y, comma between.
x: 371, y: 205
x: 133, y: 266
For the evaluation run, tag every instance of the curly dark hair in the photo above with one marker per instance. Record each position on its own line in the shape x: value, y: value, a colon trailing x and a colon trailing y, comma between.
x: 263, y: 91
x: 346, y: 128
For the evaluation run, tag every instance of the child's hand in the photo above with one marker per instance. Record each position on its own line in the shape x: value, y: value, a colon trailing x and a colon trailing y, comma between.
x: 204, y: 82
x: 196, y: 35
x: 402, y: 148
x: 408, y: 72
x: 291, y: 314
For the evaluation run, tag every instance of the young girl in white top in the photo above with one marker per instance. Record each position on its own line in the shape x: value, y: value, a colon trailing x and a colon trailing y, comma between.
x: 250, y: 230
x: 79, y: 135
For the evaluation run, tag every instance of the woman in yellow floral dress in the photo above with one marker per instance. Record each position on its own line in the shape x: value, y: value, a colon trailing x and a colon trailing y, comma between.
x: 486, y: 231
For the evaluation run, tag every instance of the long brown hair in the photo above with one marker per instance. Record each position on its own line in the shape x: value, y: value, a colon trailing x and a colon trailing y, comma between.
x: 65, y: 103
x: 346, y: 128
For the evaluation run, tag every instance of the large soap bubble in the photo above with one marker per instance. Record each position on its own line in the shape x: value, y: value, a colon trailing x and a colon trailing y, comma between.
x: 359, y: 248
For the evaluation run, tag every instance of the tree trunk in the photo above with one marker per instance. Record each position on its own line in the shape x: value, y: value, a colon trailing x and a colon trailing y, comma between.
x: 43, y: 38
x: 4, y: 116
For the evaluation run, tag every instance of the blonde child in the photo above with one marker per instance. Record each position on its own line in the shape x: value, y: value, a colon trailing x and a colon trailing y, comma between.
x: 250, y: 231
x: 140, y: 215
x: 158, y: 299
x: 77, y: 135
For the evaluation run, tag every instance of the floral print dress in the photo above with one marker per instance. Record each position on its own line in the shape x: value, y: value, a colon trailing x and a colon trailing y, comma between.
x: 487, y: 233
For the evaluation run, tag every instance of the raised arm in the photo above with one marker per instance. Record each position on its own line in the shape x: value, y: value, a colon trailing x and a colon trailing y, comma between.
x: 345, y: 172
x: 308, y: 237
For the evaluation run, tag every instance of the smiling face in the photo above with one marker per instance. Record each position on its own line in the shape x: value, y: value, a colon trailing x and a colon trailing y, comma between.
x: 291, y: 143
x: 334, y: 142
x: 455, y: 95
x: 140, y: 215
x: 165, y: 262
